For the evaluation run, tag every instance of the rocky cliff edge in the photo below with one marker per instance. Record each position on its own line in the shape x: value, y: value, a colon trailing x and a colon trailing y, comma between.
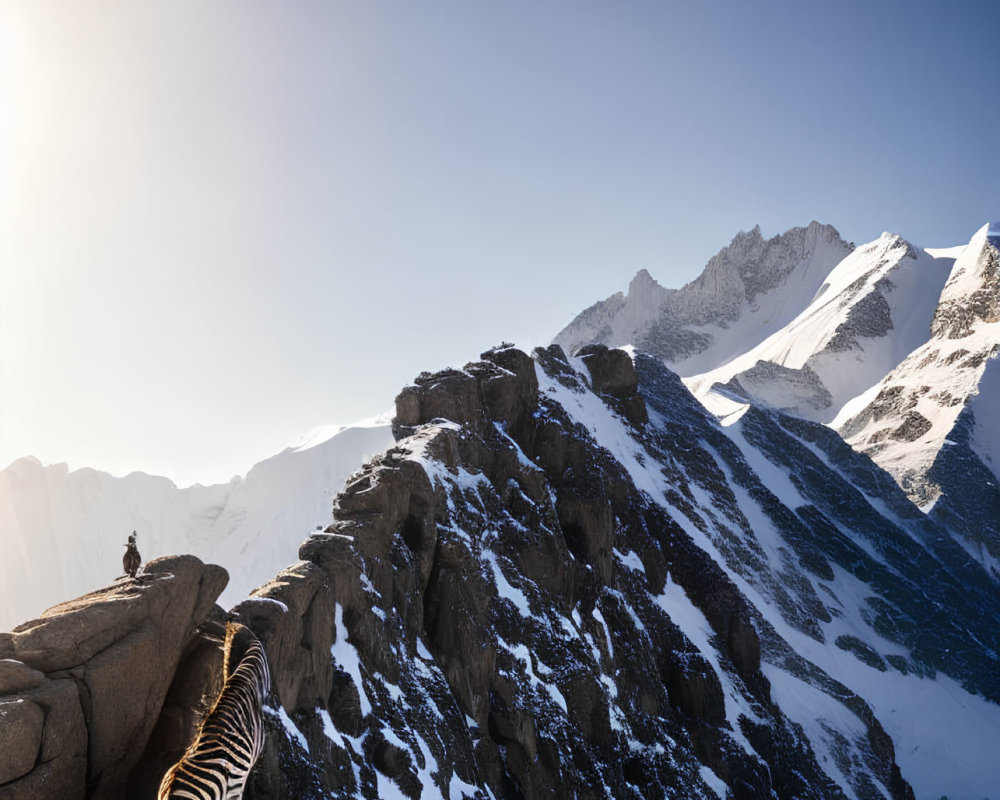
x: 82, y: 686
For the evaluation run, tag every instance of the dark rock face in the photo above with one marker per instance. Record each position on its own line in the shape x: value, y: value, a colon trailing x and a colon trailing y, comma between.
x: 969, y: 504
x: 926, y: 591
x: 84, y: 683
x: 612, y: 375
x: 870, y: 317
x: 498, y: 387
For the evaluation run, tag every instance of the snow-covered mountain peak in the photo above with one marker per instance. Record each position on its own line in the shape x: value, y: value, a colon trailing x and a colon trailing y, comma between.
x: 873, y: 308
x: 751, y: 265
x: 866, y: 261
x: 942, y: 394
x: 972, y: 292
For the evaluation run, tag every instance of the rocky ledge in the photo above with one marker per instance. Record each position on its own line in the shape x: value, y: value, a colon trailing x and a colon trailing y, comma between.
x: 82, y: 686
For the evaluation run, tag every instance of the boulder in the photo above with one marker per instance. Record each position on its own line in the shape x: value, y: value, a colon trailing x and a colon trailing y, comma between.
x: 21, y: 724
x: 16, y: 676
x: 59, y: 767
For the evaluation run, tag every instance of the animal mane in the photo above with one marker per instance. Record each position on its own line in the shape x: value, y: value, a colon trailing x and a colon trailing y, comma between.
x: 238, y: 639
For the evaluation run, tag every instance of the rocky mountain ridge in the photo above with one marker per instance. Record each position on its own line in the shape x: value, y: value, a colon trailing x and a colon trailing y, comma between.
x: 566, y: 576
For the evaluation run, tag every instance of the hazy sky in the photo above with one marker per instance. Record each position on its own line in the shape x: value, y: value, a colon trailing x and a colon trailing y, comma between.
x: 225, y: 223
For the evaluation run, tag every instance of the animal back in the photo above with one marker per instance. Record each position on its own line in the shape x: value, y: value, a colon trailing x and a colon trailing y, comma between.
x: 217, y: 763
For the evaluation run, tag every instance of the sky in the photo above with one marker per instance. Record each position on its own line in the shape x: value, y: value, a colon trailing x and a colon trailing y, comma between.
x: 225, y: 224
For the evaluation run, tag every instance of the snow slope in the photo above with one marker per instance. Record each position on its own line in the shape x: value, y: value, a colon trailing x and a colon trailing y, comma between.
x: 913, y: 409
x: 62, y: 533
x: 939, y: 377
x: 932, y: 421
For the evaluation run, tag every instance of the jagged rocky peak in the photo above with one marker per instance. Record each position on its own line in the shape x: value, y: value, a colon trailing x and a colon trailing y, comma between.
x: 711, y: 318
x: 513, y: 617
x: 750, y: 266
x: 645, y: 294
x: 643, y: 283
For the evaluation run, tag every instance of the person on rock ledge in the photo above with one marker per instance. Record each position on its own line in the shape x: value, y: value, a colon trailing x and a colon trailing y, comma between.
x: 131, y: 560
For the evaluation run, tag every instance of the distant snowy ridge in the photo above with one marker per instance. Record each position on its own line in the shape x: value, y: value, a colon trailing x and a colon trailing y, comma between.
x: 63, y: 531
x: 905, y: 418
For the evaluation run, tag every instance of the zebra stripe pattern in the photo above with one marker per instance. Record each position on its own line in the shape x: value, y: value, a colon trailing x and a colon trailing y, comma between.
x: 216, y: 764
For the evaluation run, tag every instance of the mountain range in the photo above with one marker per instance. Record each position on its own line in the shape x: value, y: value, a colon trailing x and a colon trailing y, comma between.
x: 893, y: 347
x: 735, y: 540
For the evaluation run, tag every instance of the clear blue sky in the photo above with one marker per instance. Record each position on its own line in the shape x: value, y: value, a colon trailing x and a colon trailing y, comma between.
x: 225, y: 223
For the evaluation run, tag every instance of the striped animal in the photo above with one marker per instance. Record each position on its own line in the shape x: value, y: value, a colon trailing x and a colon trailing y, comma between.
x: 216, y: 764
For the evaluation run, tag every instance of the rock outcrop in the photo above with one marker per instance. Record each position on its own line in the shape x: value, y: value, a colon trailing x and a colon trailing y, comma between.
x: 82, y: 687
